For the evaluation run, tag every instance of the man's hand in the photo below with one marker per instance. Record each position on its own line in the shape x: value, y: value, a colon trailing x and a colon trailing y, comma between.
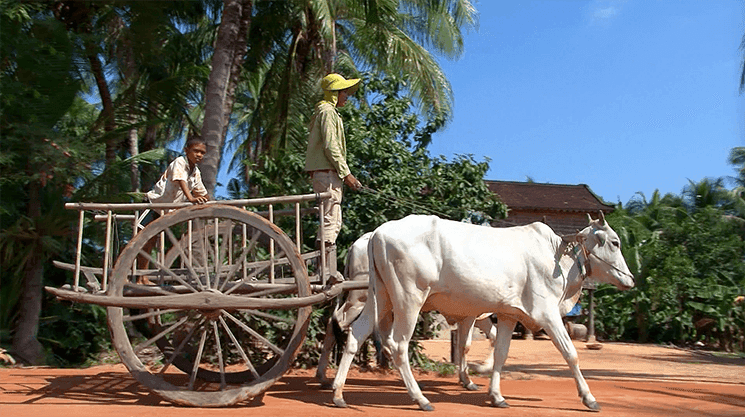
x: 352, y: 182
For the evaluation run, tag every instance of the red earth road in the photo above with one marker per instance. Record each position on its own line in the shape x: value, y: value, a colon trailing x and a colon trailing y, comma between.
x: 626, y: 379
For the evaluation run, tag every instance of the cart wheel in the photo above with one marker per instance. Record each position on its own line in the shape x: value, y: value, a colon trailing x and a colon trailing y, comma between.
x: 201, y: 356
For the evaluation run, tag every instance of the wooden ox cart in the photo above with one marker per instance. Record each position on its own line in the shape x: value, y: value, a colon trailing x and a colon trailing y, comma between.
x: 215, y: 313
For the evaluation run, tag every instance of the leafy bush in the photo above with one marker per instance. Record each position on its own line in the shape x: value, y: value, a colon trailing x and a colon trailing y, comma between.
x: 689, y: 270
x: 73, y: 334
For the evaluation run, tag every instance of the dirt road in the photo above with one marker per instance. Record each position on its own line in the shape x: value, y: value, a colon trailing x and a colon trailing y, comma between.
x: 626, y: 379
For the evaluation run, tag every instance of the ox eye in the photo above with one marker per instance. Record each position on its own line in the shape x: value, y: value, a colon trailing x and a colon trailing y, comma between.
x: 616, y: 244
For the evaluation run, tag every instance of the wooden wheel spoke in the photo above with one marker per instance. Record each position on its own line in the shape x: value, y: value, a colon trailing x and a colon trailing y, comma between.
x: 205, y: 255
x: 270, y: 316
x: 235, y: 266
x: 247, y: 278
x: 149, y: 314
x: 149, y: 289
x: 181, y: 346
x: 238, y: 346
x: 178, y: 245
x: 220, y: 361
x: 268, y: 291
x: 168, y: 271
x: 216, y: 253
x: 160, y: 335
x: 225, y: 232
x: 248, y: 248
x: 256, y: 335
x: 197, y: 360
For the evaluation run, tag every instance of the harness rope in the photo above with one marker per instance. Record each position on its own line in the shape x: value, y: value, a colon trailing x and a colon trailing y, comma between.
x: 405, y: 202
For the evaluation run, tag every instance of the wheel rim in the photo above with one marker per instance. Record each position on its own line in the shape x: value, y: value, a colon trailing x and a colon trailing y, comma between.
x: 202, y: 356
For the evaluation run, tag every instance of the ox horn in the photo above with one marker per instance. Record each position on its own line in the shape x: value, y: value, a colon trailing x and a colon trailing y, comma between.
x: 602, y: 217
x: 572, y: 238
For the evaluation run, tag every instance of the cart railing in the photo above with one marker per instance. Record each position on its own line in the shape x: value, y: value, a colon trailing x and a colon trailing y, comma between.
x: 111, y: 212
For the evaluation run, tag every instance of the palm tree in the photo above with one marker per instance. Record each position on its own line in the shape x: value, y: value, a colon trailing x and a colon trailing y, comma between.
x: 705, y: 193
x: 737, y: 158
x: 293, y: 44
x: 742, y: 76
x: 227, y: 60
x: 147, y: 61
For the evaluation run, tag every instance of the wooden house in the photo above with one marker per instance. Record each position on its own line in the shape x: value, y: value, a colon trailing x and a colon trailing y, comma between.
x: 563, y: 207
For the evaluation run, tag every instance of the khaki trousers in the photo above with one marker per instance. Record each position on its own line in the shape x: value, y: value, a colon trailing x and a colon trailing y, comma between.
x: 324, y: 181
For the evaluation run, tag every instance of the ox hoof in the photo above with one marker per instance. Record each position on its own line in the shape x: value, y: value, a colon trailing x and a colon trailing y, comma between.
x: 472, y: 387
x: 501, y: 404
x: 498, y: 403
x: 426, y: 407
x: 593, y: 405
x: 339, y: 402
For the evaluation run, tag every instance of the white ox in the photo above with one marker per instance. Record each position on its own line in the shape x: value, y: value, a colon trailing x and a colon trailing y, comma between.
x: 357, y: 268
x: 524, y: 273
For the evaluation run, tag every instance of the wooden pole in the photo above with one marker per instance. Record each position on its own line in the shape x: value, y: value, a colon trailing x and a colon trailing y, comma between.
x: 79, y: 250
x: 167, y: 206
x: 592, y: 342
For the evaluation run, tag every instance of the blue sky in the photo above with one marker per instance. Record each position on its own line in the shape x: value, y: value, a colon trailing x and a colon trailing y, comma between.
x: 624, y: 96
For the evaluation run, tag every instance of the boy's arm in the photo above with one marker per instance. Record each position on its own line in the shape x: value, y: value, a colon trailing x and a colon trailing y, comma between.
x: 192, y: 199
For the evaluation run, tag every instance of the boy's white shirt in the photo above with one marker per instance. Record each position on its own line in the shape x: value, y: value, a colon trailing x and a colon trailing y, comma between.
x: 166, y: 190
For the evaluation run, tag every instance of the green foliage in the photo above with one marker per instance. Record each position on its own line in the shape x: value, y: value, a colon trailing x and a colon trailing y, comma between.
x: 687, y: 256
x: 73, y: 333
x: 387, y: 146
x: 44, y: 154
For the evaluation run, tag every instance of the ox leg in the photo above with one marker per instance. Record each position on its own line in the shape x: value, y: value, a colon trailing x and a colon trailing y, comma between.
x: 505, y: 327
x: 465, y: 336
x: 563, y: 343
x: 403, y: 327
x: 490, y: 330
x: 329, y: 341
x: 361, y: 329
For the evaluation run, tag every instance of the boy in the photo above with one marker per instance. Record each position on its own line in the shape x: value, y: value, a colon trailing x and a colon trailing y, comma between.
x: 182, y: 181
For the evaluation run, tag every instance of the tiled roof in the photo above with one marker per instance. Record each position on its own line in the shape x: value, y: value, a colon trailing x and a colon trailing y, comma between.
x: 535, y: 196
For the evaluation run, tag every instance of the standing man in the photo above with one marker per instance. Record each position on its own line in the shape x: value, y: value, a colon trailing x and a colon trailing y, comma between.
x: 326, y: 159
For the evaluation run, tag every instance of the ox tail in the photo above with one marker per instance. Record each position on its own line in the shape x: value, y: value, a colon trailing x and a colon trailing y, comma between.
x: 374, y: 281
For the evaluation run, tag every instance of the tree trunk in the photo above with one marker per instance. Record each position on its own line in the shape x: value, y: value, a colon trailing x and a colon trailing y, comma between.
x: 241, y: 47
x: 217, y: 103
x: 25, y: 344
x: 126, y: 55
x: 107, y: 103
x: 135, y: 167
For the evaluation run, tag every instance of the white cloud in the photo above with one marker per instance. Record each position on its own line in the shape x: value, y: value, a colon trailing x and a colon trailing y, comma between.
x: 603, y: 11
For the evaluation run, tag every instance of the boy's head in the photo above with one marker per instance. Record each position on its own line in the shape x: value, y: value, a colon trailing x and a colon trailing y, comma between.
x: 195, y: 150
x: 194, y: 141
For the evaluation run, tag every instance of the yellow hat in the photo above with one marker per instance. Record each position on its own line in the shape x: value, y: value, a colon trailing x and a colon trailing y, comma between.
x: 335, y: 82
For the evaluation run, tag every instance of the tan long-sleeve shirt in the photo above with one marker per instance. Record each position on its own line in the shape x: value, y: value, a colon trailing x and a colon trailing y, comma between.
x: 327, y: 146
